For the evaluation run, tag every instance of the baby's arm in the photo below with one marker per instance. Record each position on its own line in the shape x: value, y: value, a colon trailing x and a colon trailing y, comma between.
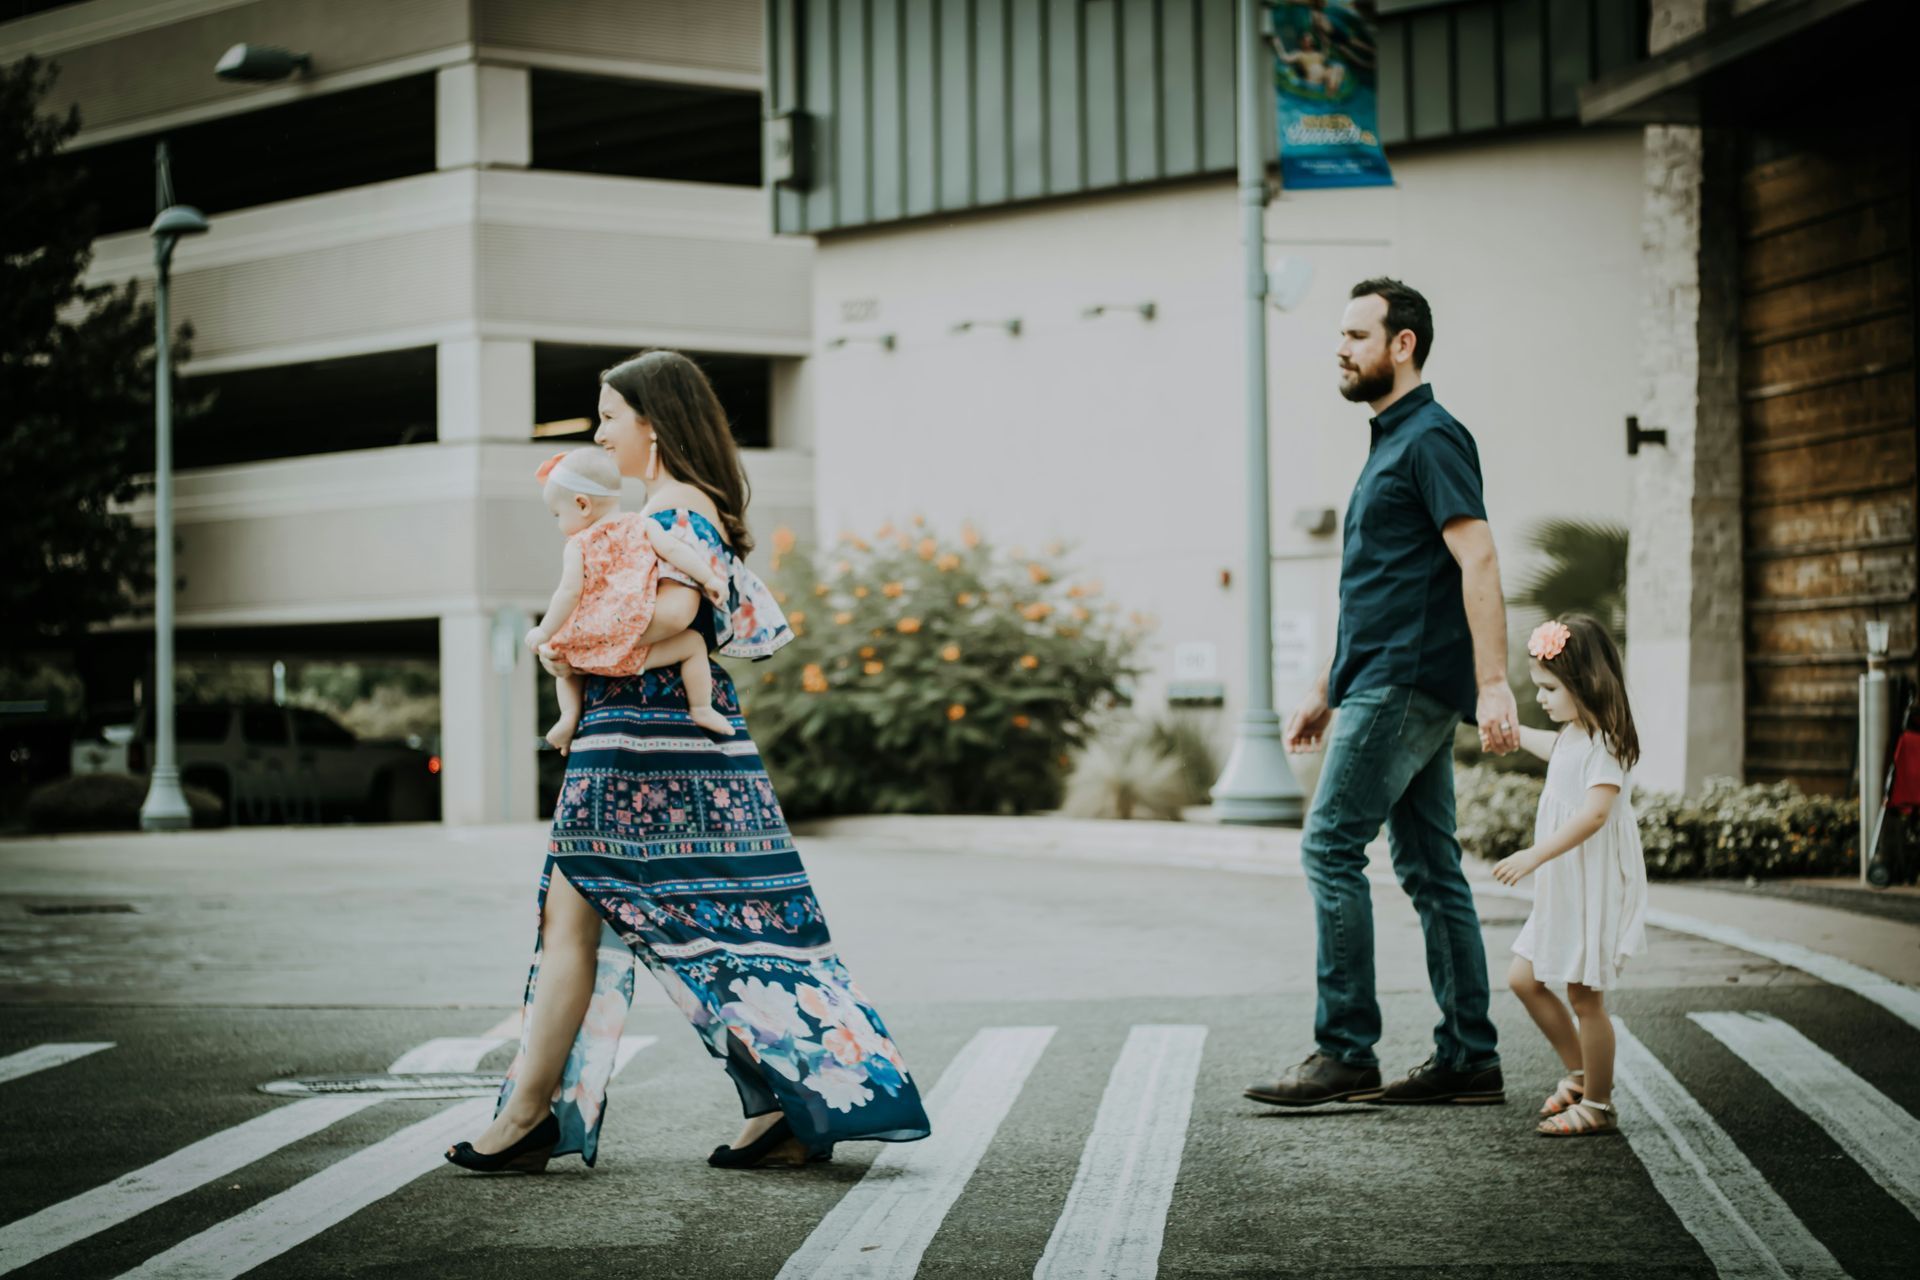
x: 688, y: 561
x: 1576, y: 831
x: 566, y: 597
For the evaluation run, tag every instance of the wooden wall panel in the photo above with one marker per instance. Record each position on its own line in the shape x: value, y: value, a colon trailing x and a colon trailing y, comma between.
x: 1829, y: 443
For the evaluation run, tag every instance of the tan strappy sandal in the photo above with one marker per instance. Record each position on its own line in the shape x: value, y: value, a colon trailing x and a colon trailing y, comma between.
x: 1569, y: 1092
x: 1582, y: 1120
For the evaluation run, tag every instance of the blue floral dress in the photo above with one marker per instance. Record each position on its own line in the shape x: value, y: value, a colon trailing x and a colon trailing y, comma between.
x: 676, y: 838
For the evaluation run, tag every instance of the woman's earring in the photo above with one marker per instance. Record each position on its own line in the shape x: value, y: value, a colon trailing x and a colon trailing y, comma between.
x: 653, y: 459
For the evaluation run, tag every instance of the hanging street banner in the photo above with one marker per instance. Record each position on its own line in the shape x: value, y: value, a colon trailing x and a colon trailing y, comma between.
x: 1324, y: 76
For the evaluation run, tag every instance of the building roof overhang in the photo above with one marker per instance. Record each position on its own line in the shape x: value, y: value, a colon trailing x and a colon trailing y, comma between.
x: 1768, y: 64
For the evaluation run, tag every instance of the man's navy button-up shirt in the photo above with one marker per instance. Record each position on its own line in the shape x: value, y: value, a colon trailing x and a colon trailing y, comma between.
x: 1402, y: 620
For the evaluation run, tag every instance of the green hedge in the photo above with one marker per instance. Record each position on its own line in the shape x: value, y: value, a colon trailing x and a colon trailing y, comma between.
x: 105, y: 802
x: 1728, y: 830
x: 931, y: 675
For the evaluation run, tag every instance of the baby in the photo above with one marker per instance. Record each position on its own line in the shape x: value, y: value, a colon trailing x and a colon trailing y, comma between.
x: 609, y: 574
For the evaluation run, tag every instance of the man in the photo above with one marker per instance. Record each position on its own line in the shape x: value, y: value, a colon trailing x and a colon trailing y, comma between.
x: 1422, y: 644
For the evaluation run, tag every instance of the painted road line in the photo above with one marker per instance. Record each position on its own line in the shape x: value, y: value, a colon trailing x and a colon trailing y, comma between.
x: 333, y: 1195
x: 1745, y: 1228
x: 881, y: 1227
x: 59, y: 1225
x: 1116, y: 1213
x: 1897, y: 998
x: 43, y: 1056
x: 453, y: 1053
x: 279, y: 1223
x: 1868, y: 1125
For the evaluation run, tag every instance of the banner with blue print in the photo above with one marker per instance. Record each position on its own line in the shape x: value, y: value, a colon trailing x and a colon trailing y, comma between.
x: 1324, y: 78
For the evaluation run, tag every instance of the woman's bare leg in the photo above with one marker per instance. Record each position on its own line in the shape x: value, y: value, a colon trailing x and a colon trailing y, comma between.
x: 569, y: 939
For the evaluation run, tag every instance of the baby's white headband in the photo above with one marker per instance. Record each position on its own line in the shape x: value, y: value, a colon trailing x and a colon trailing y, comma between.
x: 556, y: 471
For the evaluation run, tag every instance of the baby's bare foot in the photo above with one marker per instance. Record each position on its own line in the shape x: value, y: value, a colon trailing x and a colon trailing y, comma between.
x: 561, y: 735
x: 712, y: 721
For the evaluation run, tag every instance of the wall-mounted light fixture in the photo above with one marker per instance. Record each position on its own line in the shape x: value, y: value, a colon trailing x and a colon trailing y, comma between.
x: 260, y: 62
x: 884, y: 341
x: 1011, y: 326
x: 1145, y: 310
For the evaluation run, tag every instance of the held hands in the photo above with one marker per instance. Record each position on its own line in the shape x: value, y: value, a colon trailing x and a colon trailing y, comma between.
x: 1512, y: 868
x: 1308, y: 725
x: 1499, y: 719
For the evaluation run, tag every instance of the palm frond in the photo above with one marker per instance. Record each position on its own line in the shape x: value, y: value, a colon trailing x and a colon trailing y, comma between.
x: 1585, y: 571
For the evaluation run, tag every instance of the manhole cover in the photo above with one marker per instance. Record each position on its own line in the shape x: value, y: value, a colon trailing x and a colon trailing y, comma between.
x: 424, y: 1084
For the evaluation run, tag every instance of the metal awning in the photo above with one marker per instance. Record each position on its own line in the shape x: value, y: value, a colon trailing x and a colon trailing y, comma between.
x: 1782, y: 59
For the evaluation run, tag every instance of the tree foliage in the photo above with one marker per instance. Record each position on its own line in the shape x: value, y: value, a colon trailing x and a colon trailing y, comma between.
x: 1585, y: 571
x: 76, y: 388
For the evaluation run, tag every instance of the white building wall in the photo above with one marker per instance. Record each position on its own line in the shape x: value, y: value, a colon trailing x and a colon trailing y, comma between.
x: 1125, y: 436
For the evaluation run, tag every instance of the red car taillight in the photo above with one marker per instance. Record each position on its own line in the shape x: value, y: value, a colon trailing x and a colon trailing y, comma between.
x: 433, y: 764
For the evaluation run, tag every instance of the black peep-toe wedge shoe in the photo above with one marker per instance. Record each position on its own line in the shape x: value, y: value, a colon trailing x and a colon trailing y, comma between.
x: 529, y: 1155
x: 779, y: 1146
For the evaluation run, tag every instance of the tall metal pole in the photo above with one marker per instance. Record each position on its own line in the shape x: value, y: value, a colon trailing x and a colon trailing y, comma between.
x: 1258, y: 786
x: 165, y: 808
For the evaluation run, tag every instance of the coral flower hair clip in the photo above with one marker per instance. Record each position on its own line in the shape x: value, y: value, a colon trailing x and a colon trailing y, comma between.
x: 1548, y: 641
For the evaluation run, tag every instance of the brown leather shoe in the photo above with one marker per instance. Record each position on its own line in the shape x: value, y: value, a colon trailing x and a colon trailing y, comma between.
x: 1319, y: 1079
x: 1429, y: 1083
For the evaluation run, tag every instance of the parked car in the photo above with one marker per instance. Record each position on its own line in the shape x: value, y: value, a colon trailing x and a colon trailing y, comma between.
x: 280, y: 764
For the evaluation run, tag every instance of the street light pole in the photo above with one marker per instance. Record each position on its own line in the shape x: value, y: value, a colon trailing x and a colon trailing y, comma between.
x: 1258, y: 785
x: 165, y: 808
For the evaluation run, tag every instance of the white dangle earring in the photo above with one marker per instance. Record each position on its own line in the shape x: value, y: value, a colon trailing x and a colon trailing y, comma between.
x: 653, y: 458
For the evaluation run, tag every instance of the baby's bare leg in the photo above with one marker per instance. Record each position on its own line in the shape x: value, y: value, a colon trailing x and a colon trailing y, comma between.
x: 689, y: 651
x: 572, y: 695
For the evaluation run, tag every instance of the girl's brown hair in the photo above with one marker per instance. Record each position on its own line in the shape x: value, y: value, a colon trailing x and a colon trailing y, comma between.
x: 1591, y: 668
x: 690, y: 428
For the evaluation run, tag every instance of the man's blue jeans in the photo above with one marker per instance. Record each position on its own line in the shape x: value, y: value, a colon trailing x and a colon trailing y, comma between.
x: 1390, y: 760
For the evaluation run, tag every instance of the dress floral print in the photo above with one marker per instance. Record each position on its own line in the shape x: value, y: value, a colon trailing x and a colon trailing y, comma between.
x: 678, y: 841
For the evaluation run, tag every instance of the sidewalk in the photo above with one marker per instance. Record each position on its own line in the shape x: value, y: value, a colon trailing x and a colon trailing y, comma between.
x: 1889, y: 947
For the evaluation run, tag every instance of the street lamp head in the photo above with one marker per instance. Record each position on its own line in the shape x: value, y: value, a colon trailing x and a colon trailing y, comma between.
x: 179, y: 220
x: 260, y: 62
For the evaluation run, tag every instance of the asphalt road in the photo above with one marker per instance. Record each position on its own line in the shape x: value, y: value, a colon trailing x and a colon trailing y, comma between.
x: 1082, y: 1032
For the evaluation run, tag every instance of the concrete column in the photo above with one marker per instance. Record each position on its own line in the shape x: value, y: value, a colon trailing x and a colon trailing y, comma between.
x: 1684, y: 574
x: 486, y: 390
x: 487, y: 734
x: 483, y: 117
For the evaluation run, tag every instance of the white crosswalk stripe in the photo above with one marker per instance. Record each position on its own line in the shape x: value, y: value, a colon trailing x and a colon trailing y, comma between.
x: 282, y: 1222
x: 43, y: 1056
x: 1883, y: 1138
x: 1116, y: 1212
x: 129, y: 1195
x: 1742, y: 1224
x: 880, y: 1229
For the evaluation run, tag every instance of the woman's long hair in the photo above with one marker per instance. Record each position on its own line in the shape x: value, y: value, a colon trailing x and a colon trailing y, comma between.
x: 690, y: 429
x: 1591, y: 668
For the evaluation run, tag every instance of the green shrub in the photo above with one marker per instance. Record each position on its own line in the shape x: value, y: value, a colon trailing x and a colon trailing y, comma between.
x: 1127, y: 771
x: 1728, y: 830
x: 105, y: 802
x: 1187, y: 743
x: 930, y: 676
x: 1495, y: 810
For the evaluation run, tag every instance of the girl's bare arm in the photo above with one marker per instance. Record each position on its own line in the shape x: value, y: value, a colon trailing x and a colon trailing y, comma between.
x: 1538, y: 742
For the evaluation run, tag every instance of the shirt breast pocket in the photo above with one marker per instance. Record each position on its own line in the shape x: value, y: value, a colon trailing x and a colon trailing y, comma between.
x: 1383, y: 501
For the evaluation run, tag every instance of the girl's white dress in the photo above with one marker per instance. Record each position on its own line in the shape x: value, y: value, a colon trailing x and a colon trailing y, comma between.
x: 1590, y: 903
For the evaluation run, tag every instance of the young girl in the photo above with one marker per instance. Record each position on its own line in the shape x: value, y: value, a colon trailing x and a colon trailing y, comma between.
x: 609, y: 574
x: 1590, y: 897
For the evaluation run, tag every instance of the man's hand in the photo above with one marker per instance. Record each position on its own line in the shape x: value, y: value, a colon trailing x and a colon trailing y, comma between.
x: 1308, y: 724
x: 1499, y: 719
x: 1512, y: 868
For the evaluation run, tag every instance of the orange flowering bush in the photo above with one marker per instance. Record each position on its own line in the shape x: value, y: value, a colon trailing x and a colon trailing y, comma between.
x: 940, y: 676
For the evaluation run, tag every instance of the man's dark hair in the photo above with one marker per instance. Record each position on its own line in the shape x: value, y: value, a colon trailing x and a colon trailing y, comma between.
x: 1406, y: 309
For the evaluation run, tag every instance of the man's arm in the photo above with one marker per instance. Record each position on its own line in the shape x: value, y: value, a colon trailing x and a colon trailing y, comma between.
x: 1471, y: 542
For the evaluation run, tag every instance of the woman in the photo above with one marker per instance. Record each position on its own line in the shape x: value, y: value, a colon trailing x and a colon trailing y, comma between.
x: 669, y: 839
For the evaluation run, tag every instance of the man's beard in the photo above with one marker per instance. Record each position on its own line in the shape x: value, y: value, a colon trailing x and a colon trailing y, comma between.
x: 1369, y: 385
